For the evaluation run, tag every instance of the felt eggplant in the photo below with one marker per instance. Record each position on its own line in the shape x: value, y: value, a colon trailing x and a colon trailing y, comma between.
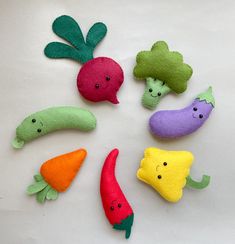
x: 53, y: 119
x: 116, y: 207
x: 100, y: 78
x: 164, y: 72
x: 177, y: 123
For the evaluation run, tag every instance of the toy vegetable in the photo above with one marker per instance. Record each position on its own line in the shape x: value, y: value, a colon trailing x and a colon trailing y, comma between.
x: 164, y: 72
x: 176, y: 123
x: 56, y: 175
x: 168, y: 172
x: 53, y: 119
x: 116, y: 207
x: 100, y: 78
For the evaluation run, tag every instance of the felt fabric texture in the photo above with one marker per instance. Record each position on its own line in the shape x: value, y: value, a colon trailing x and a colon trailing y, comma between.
x: 207, y: 96
x: 60, y: 171
x: 53, y: 119
x: 164, y: 66
x: 100, y: 79
x: 153, y: 93
x: 68, y: 29
x: 116, y: 207
x: 165, y: 171
x: 182, y: 122
x: 56, y: 175
x: 125, y: 225
x: 198, y: 184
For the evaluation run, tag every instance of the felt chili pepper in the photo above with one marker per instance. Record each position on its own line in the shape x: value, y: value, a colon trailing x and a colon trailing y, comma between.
x: 100, y: 78
x: 116, y: 207
x: 56, y: 175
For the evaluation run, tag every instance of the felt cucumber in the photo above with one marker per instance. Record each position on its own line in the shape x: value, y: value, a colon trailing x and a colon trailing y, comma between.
x: 53, y: 119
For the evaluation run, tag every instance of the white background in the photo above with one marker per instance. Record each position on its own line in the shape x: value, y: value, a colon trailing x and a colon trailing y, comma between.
x: 204, y: 32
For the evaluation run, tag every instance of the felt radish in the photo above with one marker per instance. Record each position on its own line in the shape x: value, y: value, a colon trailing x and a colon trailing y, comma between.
x: 164, y: 72
x: 116, y: 207
x: 56, y: 175
x: 177, y: 123
x: 53, y: 119
x: 100, y: 78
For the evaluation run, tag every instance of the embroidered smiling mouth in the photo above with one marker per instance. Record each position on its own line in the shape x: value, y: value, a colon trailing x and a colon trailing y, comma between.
x: 157, y: 167
x: 194, y: 116
x: 41, y: 123
x: 152, y: 95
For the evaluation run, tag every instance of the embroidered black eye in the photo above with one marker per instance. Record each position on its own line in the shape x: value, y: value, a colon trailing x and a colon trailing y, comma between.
x: 159, y: 94
x: 33, y: 120
x: 97, y: 86
x: 107, y: 78
x: 119, y: 205
x: 39, y: 130
x: 159, y: 177
x: 150, y: 89
x: 200, y: 116
x: 194, y: 109
x: 112, y: 208
x: 165, y: 163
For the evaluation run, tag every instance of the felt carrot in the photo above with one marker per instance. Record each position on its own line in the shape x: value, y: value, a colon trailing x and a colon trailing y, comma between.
x: 116, y: 207
x: 56, y: 175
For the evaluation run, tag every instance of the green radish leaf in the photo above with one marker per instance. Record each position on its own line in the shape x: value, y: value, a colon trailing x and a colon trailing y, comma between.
x: 36, y: 187
x: 52, y: 194
x: 96, y: 33
x: 61, y: 50
x: 68, y: 29
x: 41, y: 196
x: 38, y: 178
x: 198, y: 184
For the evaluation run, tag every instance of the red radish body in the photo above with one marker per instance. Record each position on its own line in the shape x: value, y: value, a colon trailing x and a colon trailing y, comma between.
x: 99, y: 79
x: 116, y: 207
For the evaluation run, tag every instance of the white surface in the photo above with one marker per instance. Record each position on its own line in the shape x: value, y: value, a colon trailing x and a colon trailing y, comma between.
x: 204, y: 32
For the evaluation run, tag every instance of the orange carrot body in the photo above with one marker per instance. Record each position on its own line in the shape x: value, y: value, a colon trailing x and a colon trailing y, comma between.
x: 60, y: 171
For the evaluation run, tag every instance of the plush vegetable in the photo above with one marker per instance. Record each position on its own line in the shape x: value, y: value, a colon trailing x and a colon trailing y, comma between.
x: 116, y: 207
x: 52, y: 119
x: 176, y: 123
x: 163, y: 70
x: 99, y: 78
x: 168, y: 172
x: 56, y: 175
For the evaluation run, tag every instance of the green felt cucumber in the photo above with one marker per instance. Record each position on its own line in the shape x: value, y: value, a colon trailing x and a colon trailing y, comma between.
x: 53, y: 119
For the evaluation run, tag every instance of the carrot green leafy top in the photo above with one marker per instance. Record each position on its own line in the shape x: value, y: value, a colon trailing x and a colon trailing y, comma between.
x: 161, y: 64
x: 80, y: 50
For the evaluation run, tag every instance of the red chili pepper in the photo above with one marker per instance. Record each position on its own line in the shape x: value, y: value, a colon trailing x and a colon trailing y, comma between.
x: 116, y: 207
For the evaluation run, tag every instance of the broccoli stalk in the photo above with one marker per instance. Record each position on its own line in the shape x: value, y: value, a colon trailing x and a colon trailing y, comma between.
x: 163, y: 70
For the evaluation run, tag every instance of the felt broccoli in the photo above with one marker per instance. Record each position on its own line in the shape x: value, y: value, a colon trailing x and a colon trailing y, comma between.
x: 163, y: 70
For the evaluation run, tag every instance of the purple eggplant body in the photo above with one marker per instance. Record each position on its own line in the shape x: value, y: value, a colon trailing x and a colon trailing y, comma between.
x: 177, y: 123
